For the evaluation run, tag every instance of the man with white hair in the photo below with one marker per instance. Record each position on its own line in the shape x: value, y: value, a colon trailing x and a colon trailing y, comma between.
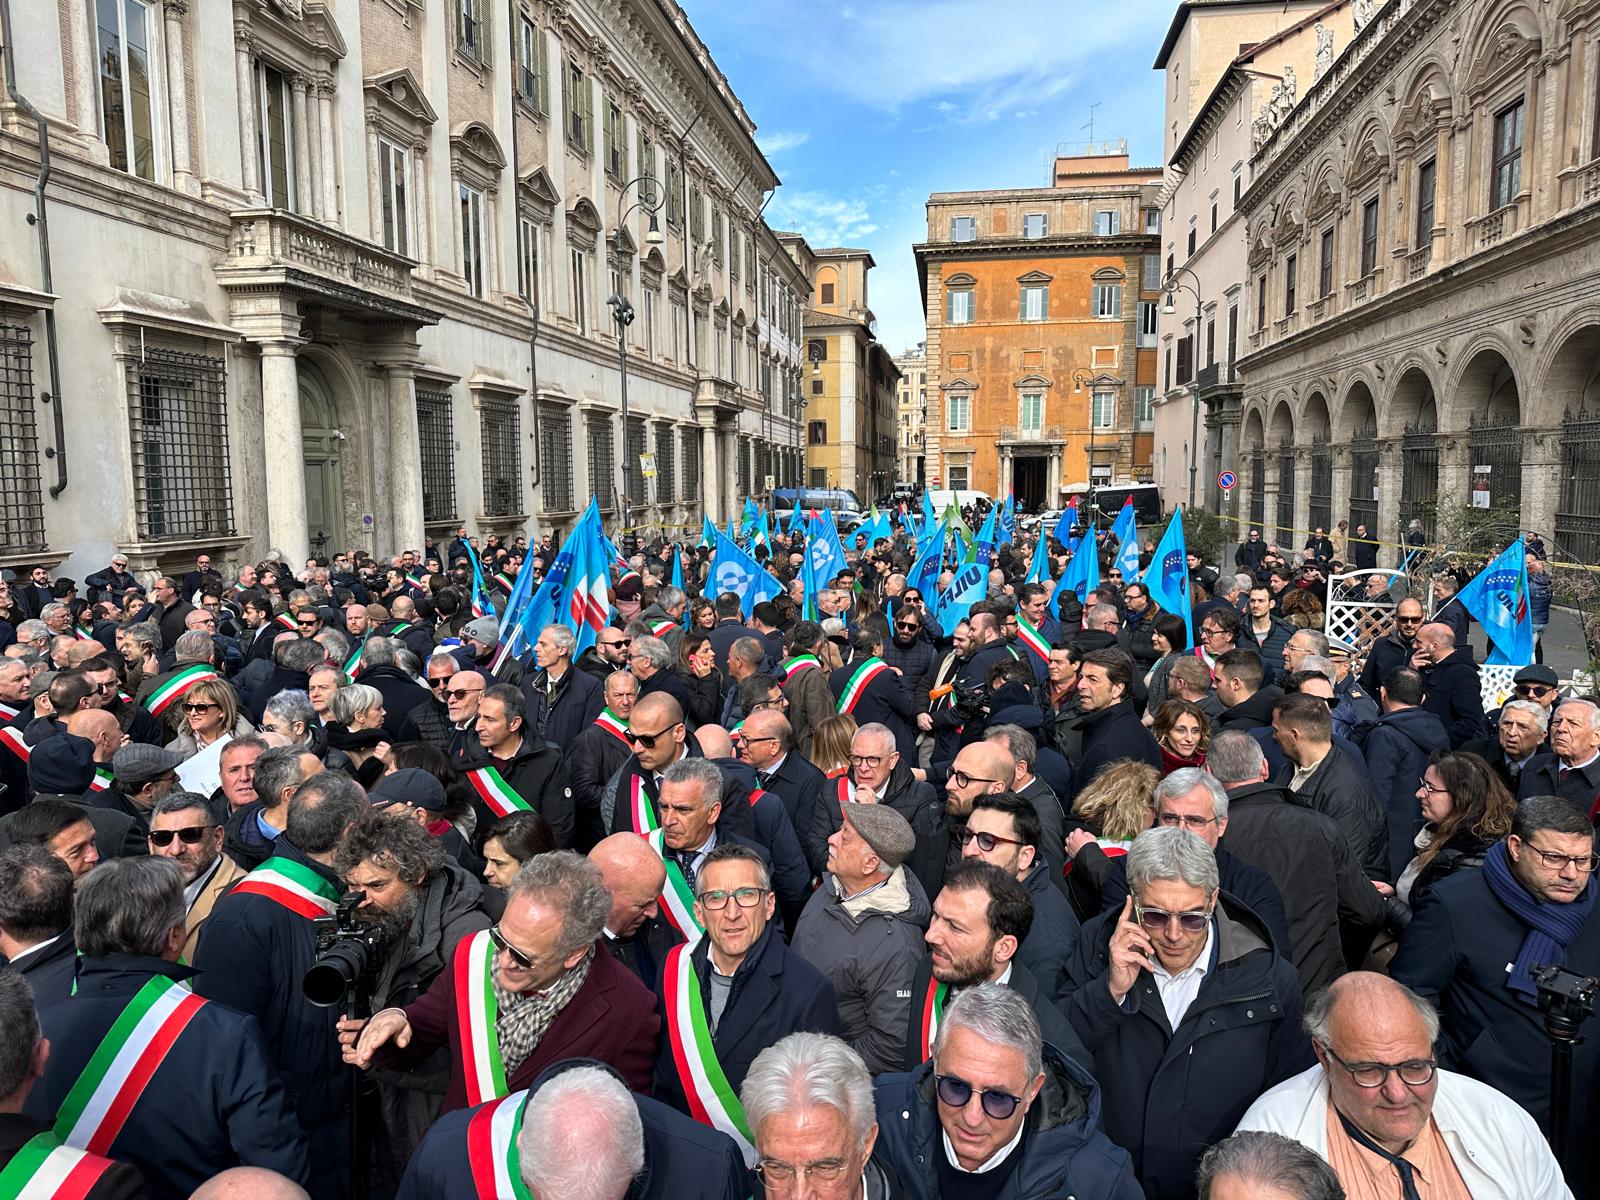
x: 996, y: 1111
x: 808, y: 1100
x: 1519, y: 736
x: 1380, y: 1110
x: 576, y: 1134
x: 1572, y: 770
x: 562, y: 701
x: 1190, y: 1011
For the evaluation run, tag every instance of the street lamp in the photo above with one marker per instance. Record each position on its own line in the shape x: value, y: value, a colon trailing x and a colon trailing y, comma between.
x: 650, y: 199
x: 1080, y: 377
x: 1169, y: 306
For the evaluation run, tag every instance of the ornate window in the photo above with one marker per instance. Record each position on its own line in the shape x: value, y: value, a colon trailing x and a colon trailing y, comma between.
x: 129, y: 99
x: 21, y: 503
x: 555, y: 458
x: 533, y: 66
x: 500, y: 435
x: 1506, y: 167
x: 178, y: 424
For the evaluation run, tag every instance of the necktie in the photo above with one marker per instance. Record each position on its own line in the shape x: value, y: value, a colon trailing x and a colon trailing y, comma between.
x: 1407, y: 1173
x: 763, y: 778
x: 685, y: 859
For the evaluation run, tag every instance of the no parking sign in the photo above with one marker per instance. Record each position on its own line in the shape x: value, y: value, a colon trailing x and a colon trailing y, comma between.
x: 1227, y: 480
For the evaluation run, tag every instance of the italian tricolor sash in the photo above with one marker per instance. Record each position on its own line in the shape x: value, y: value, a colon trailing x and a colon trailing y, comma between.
x: 287, y: 622
x: 294, y: 885
x: 492, y: 1150
x: 1032, y: 639
x: 865, y: 674
x: 677, y: 900
x: 642, y: 806
x: 847, y: 790
x: 101, y: 780
x: 662, y: 628
x: 504, y: 580
x: 173, y: 689
x: 932, y: 1014
x: 712, y: 1100
x: 614, y: 725
x: 12, y: 739
x: 494, y: 791
x: 353, y: 663
x: 476, y: 1012
x: 798, y: 663
x: 100, y: 1102
x: 7, y: 713
x: 44, y: 1169
x: 399, y: 628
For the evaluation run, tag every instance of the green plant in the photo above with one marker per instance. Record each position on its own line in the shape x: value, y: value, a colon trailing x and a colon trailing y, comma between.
x: 1204, y: 533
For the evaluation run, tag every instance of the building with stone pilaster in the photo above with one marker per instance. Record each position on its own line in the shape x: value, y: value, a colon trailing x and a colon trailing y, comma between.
x: 1041, y: 318
x: 1423, y: 305
x: 850, y: 378
x: 911, y: 407
x: 333, y: 274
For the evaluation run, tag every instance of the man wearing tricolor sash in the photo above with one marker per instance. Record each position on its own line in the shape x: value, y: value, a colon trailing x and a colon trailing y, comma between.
x: 142, y: 1069
x: 659, y: 738
x: 510, y: 770
x: 577, y: 1126
x: 529, y: 992
x: 34, y: 1163
x: 731, y: 995
x: 597, y: 753
x: 869, y: 690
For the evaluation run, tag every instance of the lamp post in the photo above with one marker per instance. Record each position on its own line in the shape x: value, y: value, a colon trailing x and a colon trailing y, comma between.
x: 1171, y: 287
x: 1080, y: 377
x: 622, y: 315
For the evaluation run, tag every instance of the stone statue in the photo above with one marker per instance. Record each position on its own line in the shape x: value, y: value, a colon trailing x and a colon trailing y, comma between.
x: 1290, y: 88
x: 1364, y: 11
x: 1324, y: 51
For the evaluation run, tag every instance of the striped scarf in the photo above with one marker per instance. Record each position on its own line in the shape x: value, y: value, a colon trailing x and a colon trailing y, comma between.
x: 524, y: 1019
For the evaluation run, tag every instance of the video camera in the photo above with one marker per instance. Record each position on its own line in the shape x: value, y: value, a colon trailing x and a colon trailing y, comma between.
x: 969, y: 702
x: 1565, y: 998
x: 347, y: 954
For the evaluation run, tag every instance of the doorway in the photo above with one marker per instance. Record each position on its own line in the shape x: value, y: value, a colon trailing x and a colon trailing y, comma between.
x: 1028, y: 483
x: 320, y: 441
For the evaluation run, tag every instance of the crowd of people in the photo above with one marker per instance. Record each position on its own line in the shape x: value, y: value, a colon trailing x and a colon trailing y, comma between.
x: 308, y: 886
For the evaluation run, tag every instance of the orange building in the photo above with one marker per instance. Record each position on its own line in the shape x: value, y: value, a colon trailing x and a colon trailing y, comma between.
x: 1041, y: 315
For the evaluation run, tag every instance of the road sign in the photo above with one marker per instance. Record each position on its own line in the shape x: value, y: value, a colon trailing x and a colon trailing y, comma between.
x: 1227, y: 481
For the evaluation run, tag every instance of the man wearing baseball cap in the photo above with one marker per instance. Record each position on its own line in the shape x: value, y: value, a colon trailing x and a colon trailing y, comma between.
x: 863, y: 930
x: 420, y: 795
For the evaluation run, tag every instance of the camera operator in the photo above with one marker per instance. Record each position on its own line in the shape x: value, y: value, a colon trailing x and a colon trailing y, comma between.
x: 423, y: 904
x: 1532, y: 904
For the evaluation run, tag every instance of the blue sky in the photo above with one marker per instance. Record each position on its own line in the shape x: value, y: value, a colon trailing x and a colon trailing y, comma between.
x: 865, y: 108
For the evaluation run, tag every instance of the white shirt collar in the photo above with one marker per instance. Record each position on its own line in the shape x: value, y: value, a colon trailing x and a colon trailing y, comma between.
x: 994, y: 1160
x: 1198, y: 967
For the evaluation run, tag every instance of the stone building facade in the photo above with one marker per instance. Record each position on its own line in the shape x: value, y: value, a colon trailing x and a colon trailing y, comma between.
x: 1041, y: 319
x: 1424, y: 294
x: 330, y: 273
x: 911, y: 409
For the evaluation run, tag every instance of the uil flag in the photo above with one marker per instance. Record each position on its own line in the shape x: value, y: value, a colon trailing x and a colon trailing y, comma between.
x: 986, y: 536
x: 925, y: 571
x: 970, y: 585
x: 588, y: 599
x: 824, y: 550
x: 1083, y: 572
x: 796, y: 515
x: 1069, y: 518
x: 747, y: 522
x: 1498, y: 598
x: 708, y: 532
x: 480, y: 598
x: 1167, y: 578
x: 1126, y: 530
x: 520, y: 625
x: 762, y: 537
x: 1039, y: 568
x: 928, y: 515
x: 733, y: 570
x: 1008, y: 520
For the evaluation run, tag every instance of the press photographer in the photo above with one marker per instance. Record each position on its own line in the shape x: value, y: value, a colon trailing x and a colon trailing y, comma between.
x: 421, y: 904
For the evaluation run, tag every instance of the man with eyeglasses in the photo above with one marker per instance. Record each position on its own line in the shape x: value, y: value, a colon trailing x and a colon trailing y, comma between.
x: 1572, y: 768
x: 767, y: 744
x: 1471, y: 947
x: 996, y: 1110
x: 1191, y: 1011
x: 184, y: 829
x: 1385, y: 1115
x: 739, y: 984
x: 1395, y: 648
x: 912, y: 657
x: 659, y: 738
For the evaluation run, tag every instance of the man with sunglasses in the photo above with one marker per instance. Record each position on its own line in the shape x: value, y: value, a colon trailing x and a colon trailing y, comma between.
x: 1395, y: 648
x: 1470, y: 949
x: 1191, y: 1011
x: 1379, y: 1108
x: 659, y: 738
x: 184, y: 829
x: 997, y: 1110
x: 609, y: 653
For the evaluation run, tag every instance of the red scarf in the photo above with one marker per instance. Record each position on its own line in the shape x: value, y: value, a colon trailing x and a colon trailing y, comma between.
x: 1171, y: 762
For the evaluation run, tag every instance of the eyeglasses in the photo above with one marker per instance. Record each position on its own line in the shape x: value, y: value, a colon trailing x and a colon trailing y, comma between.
x: 774, y: 1173
x: 1434, y: 791
x: 986, y: 841
x: 1536, y: 691
x: 522, y: 960
x: 461, y: 693
x: 1155, y: 919
x: 439, y: 683
x: 1413, y: 1072
x: 956, y: 1092
x: 780, y: 702
x: 648, y: 740
x: 189, y: 835
x: 1211, y: 631
x: 1408, y: 620
x: 907, y: 626
x: 1187, y: 821
x: 200, y: 706
x: 745, y: 897
x: 751, y: 741
x: 864, y: 760
x: 961, y: 779
x: 1559, y: 862
x: 620, y: 644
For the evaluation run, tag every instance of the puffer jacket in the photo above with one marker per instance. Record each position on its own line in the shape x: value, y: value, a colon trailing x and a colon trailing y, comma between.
x: 916, y: 801
x: 1397, y: 748
x: 869, y: 949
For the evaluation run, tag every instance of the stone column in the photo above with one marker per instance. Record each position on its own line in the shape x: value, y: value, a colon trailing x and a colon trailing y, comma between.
x: 710, y: 468
x: 328, y: 157
x: 405, y: 456
x: 178, y: 98
x: 1455, y: 470
x: 249, y: 158
x: 1541, y: 487
x: 374, y: 183
x: 86, y: 79
x: 303, y: 190
x: 1052, y: 495
x: 1389, y: 473
x: 422, y: 210
x: 285, y: 457
x: 1341, y: 486
x: 1302, y: 494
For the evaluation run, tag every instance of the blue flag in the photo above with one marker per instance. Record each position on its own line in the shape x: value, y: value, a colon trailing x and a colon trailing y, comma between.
x: 1039, y: 568
x: 796, y: 515
x: 1008, y: 521
x: 986, y: 535
x: 824, y: 550
x: 1126, y: 530
x: 677, y: 570
x: 747, y: 520
x: 924, y: 574
x: 733, y: 570
x: 1498, y: 597
x: 809, y: 610
x: 928, y: 515
x: 1167, y: 578
x: 480, y: 599
x: 1063, y: 530
x: 708, y: 532
x: 1083, y: 572
x: 521, y: 628
x: 970, y: 585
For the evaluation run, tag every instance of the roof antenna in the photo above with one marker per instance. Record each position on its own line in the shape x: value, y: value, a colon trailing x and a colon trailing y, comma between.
x: 1090, y: 125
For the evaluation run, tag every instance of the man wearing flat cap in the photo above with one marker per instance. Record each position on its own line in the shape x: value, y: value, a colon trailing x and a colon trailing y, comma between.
x: 420, y: 795
x: 863, y: 930
x: 141, y: 775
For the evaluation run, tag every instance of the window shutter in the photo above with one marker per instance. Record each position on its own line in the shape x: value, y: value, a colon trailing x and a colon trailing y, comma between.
x: 1185, y: 359
x: 1022, y: 304
x: 542, y: 58
x: 566, y: 95
x: 588, y: 115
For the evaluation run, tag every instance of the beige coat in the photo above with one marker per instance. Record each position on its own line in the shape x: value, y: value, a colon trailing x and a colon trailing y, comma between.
x: 224, y: 877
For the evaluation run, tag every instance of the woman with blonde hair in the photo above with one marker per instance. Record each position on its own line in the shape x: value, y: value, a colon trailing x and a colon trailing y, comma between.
x: 357, y: 729
x: 1113, y: 808
x: 830, y: 745
x: 210, y: 712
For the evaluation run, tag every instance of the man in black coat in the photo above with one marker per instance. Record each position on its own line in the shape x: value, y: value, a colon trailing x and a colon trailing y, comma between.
x: 1329, y: 781
x: 172, y: 611
x: 766, y: 742
x: 730, y: 627
x: 868, y: 689
x: 258, y: 945
x: 1240, y: 683
x: 1573, y: 770
x: 1454, y: 693
x: 596, y: 754
x: 36, y: 921
x: 912, y: 656
x: 1397, y: 748
x: 401, y: 693
x: 562, y: 700
x: 1138, y: 628
x: 1469, y: 949
x: 1110, y: 724
x: 636, y: 934
x: 569, y: 1105
x: 510, y: 769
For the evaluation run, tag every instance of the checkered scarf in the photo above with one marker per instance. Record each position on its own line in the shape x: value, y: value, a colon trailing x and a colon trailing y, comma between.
x: 524, y: 1018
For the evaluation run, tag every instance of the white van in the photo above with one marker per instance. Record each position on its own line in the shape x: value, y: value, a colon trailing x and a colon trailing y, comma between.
x: 944, y: 499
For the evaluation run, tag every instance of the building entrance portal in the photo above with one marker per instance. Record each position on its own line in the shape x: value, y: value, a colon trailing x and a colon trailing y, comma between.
x: 320, y: 437
x: 1028, y: 483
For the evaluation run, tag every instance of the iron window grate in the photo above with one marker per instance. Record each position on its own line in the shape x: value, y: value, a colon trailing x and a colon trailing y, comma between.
x: 665, y: 464
x: 178, y: 421
x: 500, y: 431
x: 602, y: 460
x: 636, y: 447
x: 21, y: 501
x: 689, y: 443
x: 436, y: 434
x: 555, y: 464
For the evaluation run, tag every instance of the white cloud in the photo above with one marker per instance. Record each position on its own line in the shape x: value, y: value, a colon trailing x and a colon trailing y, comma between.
x: 780, y: 140
x: 825, y: 219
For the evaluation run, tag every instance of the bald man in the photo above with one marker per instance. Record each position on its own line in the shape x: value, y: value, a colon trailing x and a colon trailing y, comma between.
x: 1454, y: 693
x: 249, y: 1183
x: 979, y: 769
x: 412, y: 630
x: 635, y: 932
x: 659, y: 738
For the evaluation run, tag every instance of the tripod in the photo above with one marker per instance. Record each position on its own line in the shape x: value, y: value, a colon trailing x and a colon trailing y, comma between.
x: 1567, y: 1000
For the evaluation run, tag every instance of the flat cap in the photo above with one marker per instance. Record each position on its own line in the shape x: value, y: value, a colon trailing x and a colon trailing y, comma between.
x: 410, y: 785
x: 884, y: 829
x: 139, y: 763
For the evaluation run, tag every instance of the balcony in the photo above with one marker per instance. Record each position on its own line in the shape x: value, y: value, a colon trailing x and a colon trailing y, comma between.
x: 1494, y: 228
x: 271, y: 246
x: 1218, y: 376
x: 1417, y: 262
x: 1321, y: 307
x: 1030, y: 437
x: 1589, y: 183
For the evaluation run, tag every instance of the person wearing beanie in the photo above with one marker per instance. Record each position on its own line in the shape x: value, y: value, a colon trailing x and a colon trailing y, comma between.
x: 480, y: 642
x: 863, y: 929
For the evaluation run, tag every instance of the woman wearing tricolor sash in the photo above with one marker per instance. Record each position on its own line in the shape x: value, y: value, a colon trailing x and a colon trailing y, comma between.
x: 869, y: 689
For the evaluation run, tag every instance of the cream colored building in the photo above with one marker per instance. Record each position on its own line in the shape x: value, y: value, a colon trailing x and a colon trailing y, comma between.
x: 1423, y: 310
x: 334, y: 273
x: 1215, y: 115
x: 911, y: 408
